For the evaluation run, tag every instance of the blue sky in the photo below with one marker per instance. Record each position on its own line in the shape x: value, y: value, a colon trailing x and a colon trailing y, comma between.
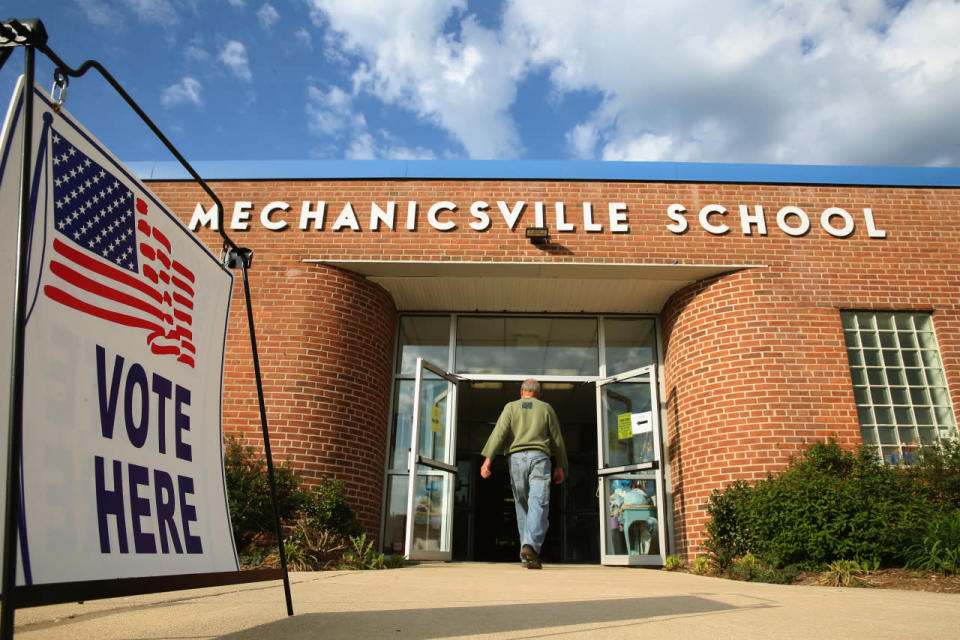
x: 856, y: 82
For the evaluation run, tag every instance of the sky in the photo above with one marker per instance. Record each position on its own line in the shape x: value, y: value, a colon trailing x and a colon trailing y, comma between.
x: 837, y: 82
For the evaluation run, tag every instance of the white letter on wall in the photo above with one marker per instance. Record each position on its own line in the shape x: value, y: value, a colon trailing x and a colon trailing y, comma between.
x: 269, y: 209
x: 716, y: 229
x: 317, y: 215
x: 793, y: 211
x: 378, y: 215
x: 588, y: 223
x: 347, y: 218
x: 872, y: 230
x: 747, y: 220
x: 205, y: 218
x: 479, y: 211
x: 412, y: 215
x: 539, y: 220
x: 511, y: 215
x: 435, y: 210
x: 241, y: 215
x: 828, y: 214
x: 562, y: 224
x: 675, y: 212
x: 618, y: 217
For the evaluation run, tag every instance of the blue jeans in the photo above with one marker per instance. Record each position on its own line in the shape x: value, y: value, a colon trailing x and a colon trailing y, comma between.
x: 530, y: 479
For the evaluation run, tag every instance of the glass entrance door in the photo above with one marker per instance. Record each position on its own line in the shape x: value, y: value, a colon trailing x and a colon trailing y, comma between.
x: 432, y: 464
x: 630, y: 477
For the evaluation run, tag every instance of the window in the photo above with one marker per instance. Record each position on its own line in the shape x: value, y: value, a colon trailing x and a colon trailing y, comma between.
x: 527, y: 345
x: 629, y: 343
x: 898, y: 382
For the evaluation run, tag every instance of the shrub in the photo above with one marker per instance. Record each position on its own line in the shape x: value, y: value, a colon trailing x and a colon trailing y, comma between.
x: 362, y: 555
x: 728, y: 530
x: 395, y: 561
x: 674, y: 563
x: 701, y: 565
x: 938, y: 469
x: 939, y: 546
x: 324, y: 519
x: 829, y: 504
x: 749, y: 568
x: 743, y: 568
x: 327, y: 509
x: 320, y: 549
x: 248, y: 493
x: 845, y: 573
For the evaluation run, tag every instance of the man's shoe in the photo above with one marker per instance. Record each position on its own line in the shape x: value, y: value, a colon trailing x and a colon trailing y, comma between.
x: 530, y: 557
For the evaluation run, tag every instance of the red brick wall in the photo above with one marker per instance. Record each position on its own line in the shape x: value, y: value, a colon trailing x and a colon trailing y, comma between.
x: 754, y: 361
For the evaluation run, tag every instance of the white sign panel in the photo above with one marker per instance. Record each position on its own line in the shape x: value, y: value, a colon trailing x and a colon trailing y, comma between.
x: 641, y: 422
x: 125, y: 331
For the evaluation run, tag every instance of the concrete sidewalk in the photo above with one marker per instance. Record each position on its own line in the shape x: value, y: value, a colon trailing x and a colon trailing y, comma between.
x: 505, y: 601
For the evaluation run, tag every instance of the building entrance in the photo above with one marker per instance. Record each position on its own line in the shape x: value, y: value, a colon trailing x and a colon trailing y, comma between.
x: 485, y: 527
x: 454, y: 375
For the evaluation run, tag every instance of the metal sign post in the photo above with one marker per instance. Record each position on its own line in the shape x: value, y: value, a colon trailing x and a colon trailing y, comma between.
x: 31, y: 35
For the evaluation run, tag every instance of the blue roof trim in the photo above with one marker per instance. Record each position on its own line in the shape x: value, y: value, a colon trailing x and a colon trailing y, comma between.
x: 552, y: 170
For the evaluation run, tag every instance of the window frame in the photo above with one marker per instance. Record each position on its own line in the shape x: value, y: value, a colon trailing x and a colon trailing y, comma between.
x: 899, y: 383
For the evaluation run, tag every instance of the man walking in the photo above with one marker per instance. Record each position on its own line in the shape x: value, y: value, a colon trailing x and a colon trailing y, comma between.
x: 529, y: 431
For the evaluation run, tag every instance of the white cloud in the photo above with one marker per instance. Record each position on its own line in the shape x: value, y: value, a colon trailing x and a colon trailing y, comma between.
x: 100, y: 13
x: 194, y: 51
x: 234, y: 55
x: 647, y: 147
x: 367, y: 147
x: 302, y: 36
x: 332, y: 114
x: 267, y: 16
x: 237, y: 3
x: 463, y: 82
x: 858, y: 82
x: 185, y: 91
x: 153, y: 11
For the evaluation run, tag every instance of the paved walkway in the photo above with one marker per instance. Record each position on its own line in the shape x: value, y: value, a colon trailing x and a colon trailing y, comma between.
x: 505, y: 601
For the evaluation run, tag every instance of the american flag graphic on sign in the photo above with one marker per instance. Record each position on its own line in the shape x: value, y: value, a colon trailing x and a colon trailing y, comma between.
x: 110, y: 262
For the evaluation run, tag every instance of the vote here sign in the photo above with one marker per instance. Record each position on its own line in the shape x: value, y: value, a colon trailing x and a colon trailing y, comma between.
x: 122, y: 472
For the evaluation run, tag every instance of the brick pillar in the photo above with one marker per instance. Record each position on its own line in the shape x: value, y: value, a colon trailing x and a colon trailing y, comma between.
x: 325, y: 340
x: 751, y: 375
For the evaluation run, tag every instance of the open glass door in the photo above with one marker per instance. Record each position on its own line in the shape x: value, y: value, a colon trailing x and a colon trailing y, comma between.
x: 432, y: 465
x: 632, y: 526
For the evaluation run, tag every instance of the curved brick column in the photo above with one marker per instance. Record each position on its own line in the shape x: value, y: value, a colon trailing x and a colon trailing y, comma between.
x: 325, y: 341
x: 751, y: 374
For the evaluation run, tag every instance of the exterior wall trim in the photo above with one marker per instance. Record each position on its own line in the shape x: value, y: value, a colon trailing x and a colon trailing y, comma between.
x: 562, y: 170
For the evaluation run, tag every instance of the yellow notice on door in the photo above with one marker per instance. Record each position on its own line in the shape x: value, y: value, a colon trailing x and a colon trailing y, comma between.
x: 436, y: 417
x: 624, y: 426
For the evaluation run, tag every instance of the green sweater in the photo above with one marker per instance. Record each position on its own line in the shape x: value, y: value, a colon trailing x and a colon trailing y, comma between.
x: 527, y: 423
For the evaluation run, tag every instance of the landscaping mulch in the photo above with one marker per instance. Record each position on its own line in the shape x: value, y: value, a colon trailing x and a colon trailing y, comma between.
x: 905, y: 579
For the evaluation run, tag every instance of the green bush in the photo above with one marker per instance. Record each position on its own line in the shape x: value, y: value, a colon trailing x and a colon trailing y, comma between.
x: 829, y: 504
x: 938, y: 468
x: 939, y: 546
x: 701, y: 566
x: 395, y: 561
x: 248, y: 493
x: 728, y: 530
x: 362, y: 555
x: 749, y: 568
x: 845, y: 573
x: 327, y: 509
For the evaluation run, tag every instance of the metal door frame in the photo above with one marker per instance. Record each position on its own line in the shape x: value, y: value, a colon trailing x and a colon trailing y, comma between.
x: 439, y: 467
x: 656, y: 465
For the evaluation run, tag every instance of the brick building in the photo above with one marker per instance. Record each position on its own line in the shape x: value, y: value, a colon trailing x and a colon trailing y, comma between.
x: 692, y: 324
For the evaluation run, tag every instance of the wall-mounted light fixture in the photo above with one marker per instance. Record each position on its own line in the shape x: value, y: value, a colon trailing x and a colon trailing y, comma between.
x: 538, y: 235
